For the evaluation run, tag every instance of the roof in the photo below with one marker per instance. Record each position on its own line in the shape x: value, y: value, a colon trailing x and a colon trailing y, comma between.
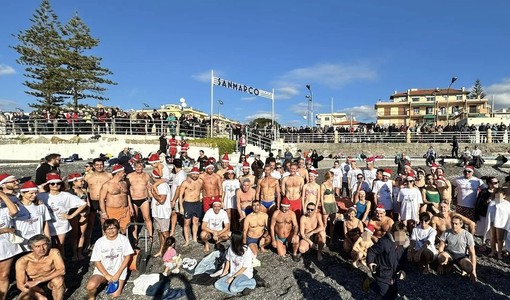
x: 429, y: 92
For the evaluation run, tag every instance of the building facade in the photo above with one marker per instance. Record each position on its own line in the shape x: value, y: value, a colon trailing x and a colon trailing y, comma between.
x: 430, y: 106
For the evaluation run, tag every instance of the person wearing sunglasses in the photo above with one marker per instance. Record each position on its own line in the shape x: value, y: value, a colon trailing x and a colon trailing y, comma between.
x: 466, y: 191
x: 59, y: 204
x: 410, y: 200
x: 311, y: 231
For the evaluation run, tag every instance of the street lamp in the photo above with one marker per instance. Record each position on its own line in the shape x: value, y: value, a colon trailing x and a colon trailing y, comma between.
x: 182, y: 104
x: 448, y: 100
x: 220, y: 104
x: 310, y: 105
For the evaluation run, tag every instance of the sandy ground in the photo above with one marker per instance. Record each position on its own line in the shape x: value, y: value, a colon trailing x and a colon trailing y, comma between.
x: 332, y: 278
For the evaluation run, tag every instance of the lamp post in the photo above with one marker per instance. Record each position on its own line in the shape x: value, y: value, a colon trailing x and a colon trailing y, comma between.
x: 310, y: 105
x: 448, y: 100
x: 220, y: 104
x: 182, y: 104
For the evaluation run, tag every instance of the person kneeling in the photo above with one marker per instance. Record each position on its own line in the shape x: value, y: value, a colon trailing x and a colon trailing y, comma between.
x: 311, y: 227
x: 237, y: 276
x: 422, y: 249
x: 453, y: 246
x: 112, y: 254
x: 41, y: 265
x: 215, y: 226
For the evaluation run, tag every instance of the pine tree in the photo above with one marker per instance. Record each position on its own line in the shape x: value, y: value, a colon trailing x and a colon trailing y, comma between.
x: 84, y: 73
x: 477, y: 91
x: 41, y: 49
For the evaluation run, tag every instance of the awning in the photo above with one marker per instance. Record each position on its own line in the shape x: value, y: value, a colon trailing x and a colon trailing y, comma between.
x: 429, y: 116
x: 422, y: 104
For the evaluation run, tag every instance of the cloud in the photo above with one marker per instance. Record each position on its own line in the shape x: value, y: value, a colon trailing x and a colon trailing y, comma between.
x: 7, y: 105
x: 261, y: 114
x: 363, y: 113
x: 6, y: 70
x: 286, y: 90
x: 301, y: 108
x: 501, y: 93
x: 206, y: 76
x: 331, y: 75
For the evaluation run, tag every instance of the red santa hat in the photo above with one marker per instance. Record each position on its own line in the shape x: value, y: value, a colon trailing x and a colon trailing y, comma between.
x: 155, y: 174
x: 216, y: 201
x: 53, y: 177
x: 29, y: 186
x: 246, y: 165
x: 74, y: 176
x: 194, y: 170
x: 441, y: 182
x: 350, y: 158
x: 470, y: 168
x: 154, y: 158
x: 434, y: 166
x: 285, y: 202
x: 380, y: 206
x: 370, y: 228
x: 6, y: 178
x: 387, y: 172
x: 117, y: 168
x: 230, y: 169
x: 225, y: 157
x: 407, y: 164
x: 210, y: 164
x: 138, y: 156
x: 313, y: 172
x: 410, y: 177
x: 370, y: 160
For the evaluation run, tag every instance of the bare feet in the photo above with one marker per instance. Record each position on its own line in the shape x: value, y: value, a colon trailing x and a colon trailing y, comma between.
x: 186, y: 244
x: 206, y: 247
x: 355, y: 264
x: 157, y: 254
x: 262, y: 249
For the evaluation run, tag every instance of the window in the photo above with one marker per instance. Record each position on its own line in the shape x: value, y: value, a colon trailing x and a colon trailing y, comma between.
x: 387, y: 111
x: 430, y: 110
x: 415, y: 99
x: 459, y: 97
x: 431, y: 98
x: 442, y: 110
x: 472, y: 109
x: 402, y: 111
x: 326, y: 118
x: 416, y: 110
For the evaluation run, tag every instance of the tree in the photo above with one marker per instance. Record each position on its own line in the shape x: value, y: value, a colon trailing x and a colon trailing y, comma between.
x: 42, y: 50
x: 262, y: 122
x: 477, y: 91
x: 84, y: 73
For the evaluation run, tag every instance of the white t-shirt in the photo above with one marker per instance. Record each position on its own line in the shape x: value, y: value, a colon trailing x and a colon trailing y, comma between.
x: 384, y: 190
x: 111, y: 253
x: 467, y: 190
x: 237, y: 262
x: 421, y: 236
x: 337, y: 177
x: 276, y: 174
x: 369, y: 176
x: 162, y: 211
x: 30, y: 221
x: 215, y: 221
x: 229, y: 191
x: 166, y: 173
x: 352, y: 178
x: 179, y: 178
x: 7, y: 249
x: 410, y: 200
x: 59, y: 205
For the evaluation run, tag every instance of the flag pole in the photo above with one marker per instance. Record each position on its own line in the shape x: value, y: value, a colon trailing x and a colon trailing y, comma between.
x: 212, y: 100
x: 272, y: 115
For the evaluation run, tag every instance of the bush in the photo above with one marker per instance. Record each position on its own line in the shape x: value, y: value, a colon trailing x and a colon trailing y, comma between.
x: 224, y: 145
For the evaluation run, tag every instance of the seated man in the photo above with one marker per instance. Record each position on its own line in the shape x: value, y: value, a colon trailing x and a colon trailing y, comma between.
x: 311, y: 230
x: 42, y: 265
x: 284, y: 228
x: 454, y: 245
x: 255, y: 231
x: 422, y: 249
x: 381, y: 223
x: 215, y: 225
x: 111, y: 254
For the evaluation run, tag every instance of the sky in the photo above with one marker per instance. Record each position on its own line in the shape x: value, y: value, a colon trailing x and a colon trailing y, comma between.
x: 351, y: 53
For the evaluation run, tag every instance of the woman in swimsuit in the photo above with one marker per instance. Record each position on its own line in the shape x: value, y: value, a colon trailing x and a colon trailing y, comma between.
x: 362, y: 206
x: 311, y: 190
x: 78, y: 223
x: 328, y: 202
x: 430, y: 196
x: 352, y: 229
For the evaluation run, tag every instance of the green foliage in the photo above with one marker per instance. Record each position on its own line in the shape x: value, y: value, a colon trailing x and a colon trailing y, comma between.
x: 262, y: 122
x: 224, y: 145
x: 56, y: 65
x: 477, y: 91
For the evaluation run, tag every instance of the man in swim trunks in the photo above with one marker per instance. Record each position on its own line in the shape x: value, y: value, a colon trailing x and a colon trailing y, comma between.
x: 246, y: 174
x: 381, y: 223
x: 189, y: 203
x: 312, y: 230
x: 284, y: 228
x: 267, y: 189
x: 255, y: 231
x: 114, y: 200
x: 42, y: 265
x: 138, y: 184
x: 244, y: 196
x: 292, y: 186
x: 95, y: 181
x: 212, y: 189
x: 215, y: 226
x: 442, y: 220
